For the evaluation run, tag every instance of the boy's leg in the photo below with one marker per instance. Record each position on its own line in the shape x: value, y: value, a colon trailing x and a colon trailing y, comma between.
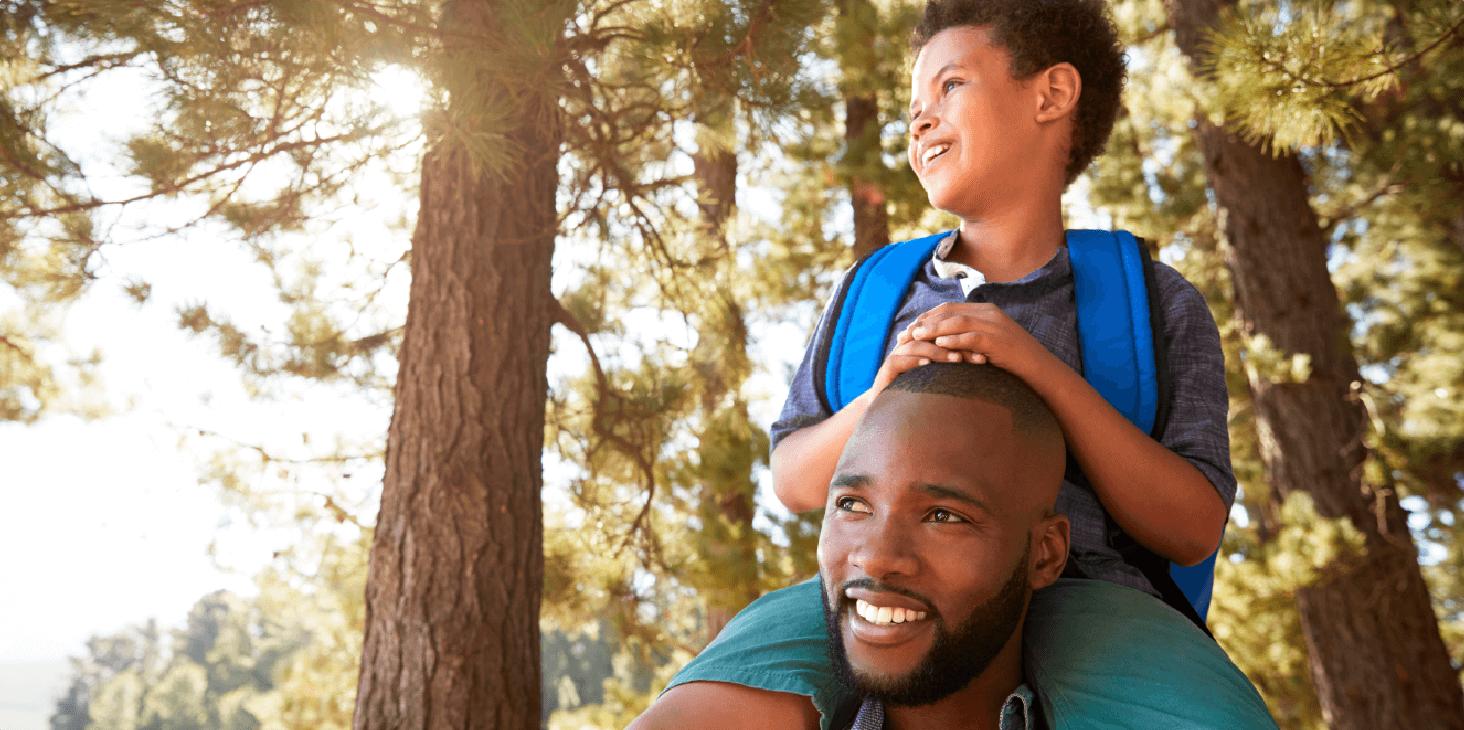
x: 779, y: 643
x: 1104, y: 656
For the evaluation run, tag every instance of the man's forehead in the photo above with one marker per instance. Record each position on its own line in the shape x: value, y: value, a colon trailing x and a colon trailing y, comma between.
x: 947, y: 439
x: 935, y: 417
x: 932, y: 435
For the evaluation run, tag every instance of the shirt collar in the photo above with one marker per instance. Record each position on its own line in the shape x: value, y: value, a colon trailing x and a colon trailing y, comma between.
x: 1016, y: 712
x: 970, y: 278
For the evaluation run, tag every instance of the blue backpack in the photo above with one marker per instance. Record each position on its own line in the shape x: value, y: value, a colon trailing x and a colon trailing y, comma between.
x: 1118, y: 314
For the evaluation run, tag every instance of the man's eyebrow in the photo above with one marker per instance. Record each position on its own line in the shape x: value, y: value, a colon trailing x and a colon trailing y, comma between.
x: 943, y: 492
x: 850, y: 481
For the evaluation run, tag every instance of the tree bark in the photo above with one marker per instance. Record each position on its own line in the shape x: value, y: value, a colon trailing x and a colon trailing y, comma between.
x: 862, y: 135
x: 1376, y: 656
x: 453, y: 591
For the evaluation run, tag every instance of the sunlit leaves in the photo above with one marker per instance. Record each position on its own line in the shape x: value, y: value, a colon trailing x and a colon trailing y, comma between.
x: 1291, y: 75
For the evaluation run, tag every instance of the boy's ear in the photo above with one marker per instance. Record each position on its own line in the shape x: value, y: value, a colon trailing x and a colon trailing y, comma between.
x: 1058, y: 89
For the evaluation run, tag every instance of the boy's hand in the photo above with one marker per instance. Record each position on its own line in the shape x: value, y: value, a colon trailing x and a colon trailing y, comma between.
x: 981, y: 333
x: 910, y: 353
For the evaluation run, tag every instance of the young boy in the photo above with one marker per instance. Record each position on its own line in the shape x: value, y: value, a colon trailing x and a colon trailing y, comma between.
x: 1011, y: 100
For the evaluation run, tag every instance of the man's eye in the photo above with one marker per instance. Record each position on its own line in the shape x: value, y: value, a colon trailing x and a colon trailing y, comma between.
x: 949, y: 84
x: 850, y: 504
x: 945, y: 515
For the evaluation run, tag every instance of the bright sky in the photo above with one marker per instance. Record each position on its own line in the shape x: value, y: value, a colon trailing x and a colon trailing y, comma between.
x: 105, y: 522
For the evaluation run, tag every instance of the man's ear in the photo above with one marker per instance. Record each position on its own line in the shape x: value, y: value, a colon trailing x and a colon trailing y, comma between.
x: 1050, y: 539
x: 1058, y: 89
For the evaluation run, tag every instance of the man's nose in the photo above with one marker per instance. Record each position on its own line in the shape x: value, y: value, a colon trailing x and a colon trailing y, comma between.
x: 885, y: 549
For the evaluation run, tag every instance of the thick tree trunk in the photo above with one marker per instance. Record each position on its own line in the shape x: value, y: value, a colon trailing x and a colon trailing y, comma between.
x: 1376, y: 656
x: 452, y: 596
x: 862, y: 137
x: 871, y: 215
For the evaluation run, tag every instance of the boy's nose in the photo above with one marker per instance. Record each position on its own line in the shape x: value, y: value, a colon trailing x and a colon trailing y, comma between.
x: 922, y: 124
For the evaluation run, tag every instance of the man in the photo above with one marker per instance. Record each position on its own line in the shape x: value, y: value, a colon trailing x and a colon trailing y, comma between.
x: 934, y: 538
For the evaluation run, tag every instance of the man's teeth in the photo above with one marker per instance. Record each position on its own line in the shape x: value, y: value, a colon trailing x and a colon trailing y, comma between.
x: 933, y: 152
x: 885, y: 614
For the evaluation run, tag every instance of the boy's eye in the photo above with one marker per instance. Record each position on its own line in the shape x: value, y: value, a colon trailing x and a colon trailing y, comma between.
x: 850, y: 504
x: 945, y: 516
x: 948, y: 84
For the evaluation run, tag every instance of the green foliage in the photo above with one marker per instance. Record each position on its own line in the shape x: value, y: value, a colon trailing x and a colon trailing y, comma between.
x: 1291, y: 75
x: 1395, y: 261
x: 217, y: 667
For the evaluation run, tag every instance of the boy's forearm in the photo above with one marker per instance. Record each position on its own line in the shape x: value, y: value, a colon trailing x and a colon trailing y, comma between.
x: 803, y: 462
x: 1155, y: 495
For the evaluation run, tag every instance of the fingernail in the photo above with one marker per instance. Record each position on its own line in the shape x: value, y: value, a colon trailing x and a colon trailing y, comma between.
x: 954, y: 357
x: 918, y: 332
x: 924, y: 361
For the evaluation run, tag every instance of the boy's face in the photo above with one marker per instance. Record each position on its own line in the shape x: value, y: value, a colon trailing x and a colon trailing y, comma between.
x: 973, y: 133
x: 933, y: 523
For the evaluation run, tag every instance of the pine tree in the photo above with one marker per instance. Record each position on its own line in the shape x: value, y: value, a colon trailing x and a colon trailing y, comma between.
x: 1376, y: 655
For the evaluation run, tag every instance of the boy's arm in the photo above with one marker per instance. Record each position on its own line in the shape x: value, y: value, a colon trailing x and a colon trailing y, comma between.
x: 1157, y: 497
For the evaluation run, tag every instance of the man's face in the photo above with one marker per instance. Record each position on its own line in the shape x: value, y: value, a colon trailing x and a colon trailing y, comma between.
x: 925, y: 546
x: 972, y: 127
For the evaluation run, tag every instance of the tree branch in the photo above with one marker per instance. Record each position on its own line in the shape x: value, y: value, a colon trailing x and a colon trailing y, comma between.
x: 644, y: 462
x: 1450, y: 31
x: 172, y: 188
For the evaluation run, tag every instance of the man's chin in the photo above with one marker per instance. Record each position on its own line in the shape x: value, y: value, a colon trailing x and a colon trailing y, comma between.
x: 888, y: 663
x: 888, y: 688
x: 880, y: 676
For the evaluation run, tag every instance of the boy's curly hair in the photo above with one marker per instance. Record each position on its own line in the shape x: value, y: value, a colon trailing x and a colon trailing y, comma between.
x: 1039, y: 34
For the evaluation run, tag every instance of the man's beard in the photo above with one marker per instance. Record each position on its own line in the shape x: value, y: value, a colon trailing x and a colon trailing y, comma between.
x: 956, y: 656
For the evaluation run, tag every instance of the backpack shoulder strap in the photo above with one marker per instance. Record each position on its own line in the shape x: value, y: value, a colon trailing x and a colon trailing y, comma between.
x: 846, y: 364
x: 1115, y: 334
x: 1163, y: 375
x: 1121, y: 337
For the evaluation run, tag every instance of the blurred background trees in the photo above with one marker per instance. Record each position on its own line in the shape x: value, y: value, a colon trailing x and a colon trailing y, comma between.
x: 703, y: 172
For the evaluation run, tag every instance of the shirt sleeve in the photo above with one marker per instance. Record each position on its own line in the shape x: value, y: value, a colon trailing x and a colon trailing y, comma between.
x: 1198, y: 428
x: 804, y: 407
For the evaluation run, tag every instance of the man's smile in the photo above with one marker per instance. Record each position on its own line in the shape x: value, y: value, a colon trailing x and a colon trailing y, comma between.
x: 883, y: 618
x: 885, y: 614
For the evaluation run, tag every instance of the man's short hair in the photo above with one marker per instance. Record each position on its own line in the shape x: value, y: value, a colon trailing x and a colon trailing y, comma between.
x: 1031, y: 418
x: 1039, y: 34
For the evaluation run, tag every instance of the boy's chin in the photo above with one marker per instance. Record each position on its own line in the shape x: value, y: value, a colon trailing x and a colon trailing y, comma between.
x: 962, y: 204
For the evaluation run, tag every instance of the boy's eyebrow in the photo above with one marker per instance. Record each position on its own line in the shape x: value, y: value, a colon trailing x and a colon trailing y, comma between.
x: 850, y: 481
x: 943, y: 69
x: 943, y: 492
